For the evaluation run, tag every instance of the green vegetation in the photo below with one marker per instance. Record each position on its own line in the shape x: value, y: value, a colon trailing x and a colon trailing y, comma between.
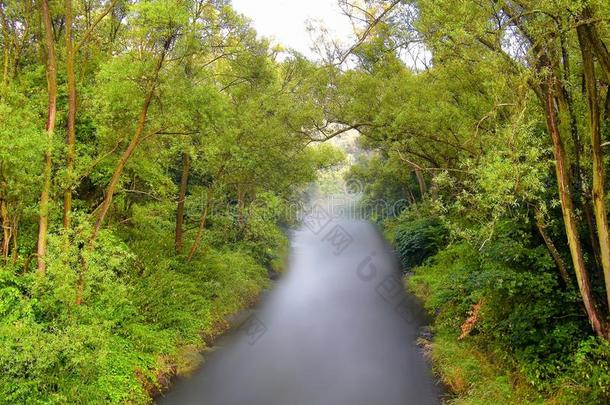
x: 490, y: 120
x: 524, y: 344
x: 416, y: 240
x: 152, y: 151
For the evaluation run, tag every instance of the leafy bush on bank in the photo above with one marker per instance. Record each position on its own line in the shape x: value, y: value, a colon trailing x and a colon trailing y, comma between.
x: 130, y: 327
x: 416, y: 240
x: 530, y: 342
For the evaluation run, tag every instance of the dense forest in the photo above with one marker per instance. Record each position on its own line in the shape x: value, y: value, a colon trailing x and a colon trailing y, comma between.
x: 500, y: 142
x: 153, y: 153
x: 149, y: 155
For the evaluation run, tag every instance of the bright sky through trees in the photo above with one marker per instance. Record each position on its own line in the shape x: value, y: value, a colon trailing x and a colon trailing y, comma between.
x: 285, y: 21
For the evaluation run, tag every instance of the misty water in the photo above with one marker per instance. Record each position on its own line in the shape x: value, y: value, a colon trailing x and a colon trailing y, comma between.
x: 337, y: 329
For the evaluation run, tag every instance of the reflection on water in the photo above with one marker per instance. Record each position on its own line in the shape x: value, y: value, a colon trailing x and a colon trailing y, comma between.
x: 338, y: 329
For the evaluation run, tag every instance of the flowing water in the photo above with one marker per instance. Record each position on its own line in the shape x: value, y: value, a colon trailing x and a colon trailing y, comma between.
x: 338, y: 329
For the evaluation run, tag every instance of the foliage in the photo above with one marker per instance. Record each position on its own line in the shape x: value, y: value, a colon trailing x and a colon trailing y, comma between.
x: 191, y: 145
x: 418, y: 239
x: 166, y: 145
x: 527, y: 323
x: 489, y: 118
x: 55, y: 351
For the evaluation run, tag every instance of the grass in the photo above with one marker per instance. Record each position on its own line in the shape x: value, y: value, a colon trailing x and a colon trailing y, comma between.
x: 473, y: 378
x: 470, y: 375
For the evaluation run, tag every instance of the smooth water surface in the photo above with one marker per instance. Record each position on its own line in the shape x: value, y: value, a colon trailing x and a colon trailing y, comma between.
x: 338, y: 329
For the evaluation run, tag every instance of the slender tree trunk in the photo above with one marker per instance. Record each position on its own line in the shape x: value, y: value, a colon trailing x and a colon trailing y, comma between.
x: 135, y: 140
x: 592, y: 232
x: 202, y: 222
x: 408, y: 194
x: 71, y: 133
x: 579, y: 187
x: 15, y: 233
x: 421, y: 182
x: 186, y: 163
x: 561, y: 265
x: 43, y: 223
x: 597, y: 45
x: 607, y: 104
x: 598, y: 193
x: 569, y: 217
x: 6, y: 47
x: 6, y: 228
x: 5, y: 74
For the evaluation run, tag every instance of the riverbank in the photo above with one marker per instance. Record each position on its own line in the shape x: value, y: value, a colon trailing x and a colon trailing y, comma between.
x: 202, y: 301
x: 475, y: 370
x: 469, y: 375
x: 505, y: 329
x: 189, y: 358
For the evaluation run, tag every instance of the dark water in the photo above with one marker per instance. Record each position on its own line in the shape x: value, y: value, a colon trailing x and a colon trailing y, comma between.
x: 338, y: 329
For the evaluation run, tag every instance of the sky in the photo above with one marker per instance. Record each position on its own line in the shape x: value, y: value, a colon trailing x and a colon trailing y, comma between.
x: 284, y: 21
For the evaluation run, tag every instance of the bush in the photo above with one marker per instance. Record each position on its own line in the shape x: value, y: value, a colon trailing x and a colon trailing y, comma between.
x: 591, y: 369
x: 53, y: 350
x: 417, y: 240
x: 528, y: 323
x: 131, y: 325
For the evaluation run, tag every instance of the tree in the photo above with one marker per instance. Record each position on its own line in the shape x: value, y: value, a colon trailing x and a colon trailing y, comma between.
x: 535, y: 43
x: 51, y: 66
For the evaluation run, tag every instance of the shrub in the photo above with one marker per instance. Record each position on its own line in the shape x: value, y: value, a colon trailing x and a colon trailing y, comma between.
x: 530, y: 326
x: 591, y: 368
x: 53, y: 350
x: 132, y: 322
x: 417, y: 240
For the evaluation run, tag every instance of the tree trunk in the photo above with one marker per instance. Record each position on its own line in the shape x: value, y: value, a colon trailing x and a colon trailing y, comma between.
x: 409, y: 195
x: 15, y: 233
x: 5, y: 74
x: 202, y: 222
x: 43, y: 223
x: 421, y: 182
x: 7, y: 45
x: 186, y: 163
x: 579, y: 187
x: 591, y: 228
x: 118, y: 171
x: 71, y: 133
x: 597, y: 45
x: 598, y: 193
x: 607, y: 104
x: 561, y: 265
x: 569, y: 217
x: 6, y: 228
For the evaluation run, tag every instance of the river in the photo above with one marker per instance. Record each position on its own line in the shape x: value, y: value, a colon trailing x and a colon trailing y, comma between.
x: 337, y: 329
